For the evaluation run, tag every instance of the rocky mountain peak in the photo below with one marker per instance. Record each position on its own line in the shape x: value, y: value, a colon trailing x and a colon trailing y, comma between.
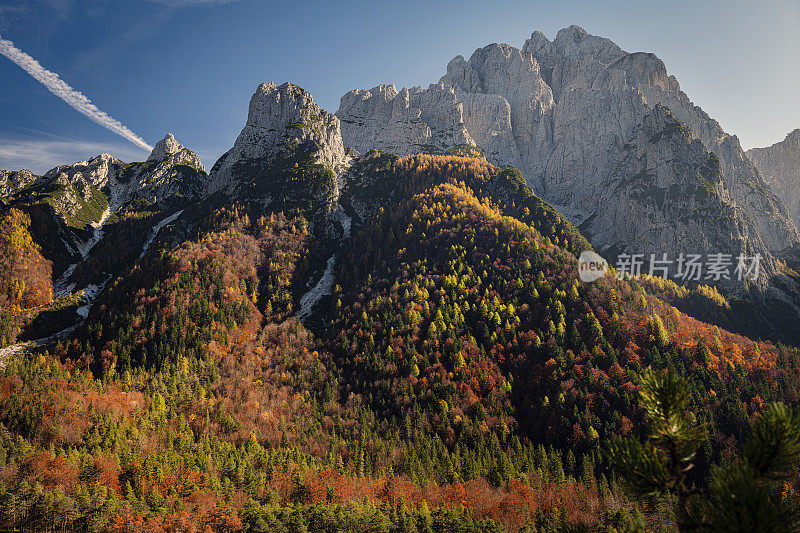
x: 79, y: 192
x: 572, y: 33
x: 165, y: 148
x: 280, y: 118
x: 94, y: 170
x: 273, y: 106
x: 409, y: 121
x: 12, y: 180
x: 572, y: 43
x: 170, y: 152
x: 537, y: 41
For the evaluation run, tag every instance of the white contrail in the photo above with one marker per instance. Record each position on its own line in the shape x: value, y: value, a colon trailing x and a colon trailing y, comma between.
x: 74, y: 98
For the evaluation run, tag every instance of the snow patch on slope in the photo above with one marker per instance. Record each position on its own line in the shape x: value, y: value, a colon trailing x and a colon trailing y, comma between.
x: 156, y: 229
x: 61, y: 288
x: 91, y: 291
x: 323, y: 286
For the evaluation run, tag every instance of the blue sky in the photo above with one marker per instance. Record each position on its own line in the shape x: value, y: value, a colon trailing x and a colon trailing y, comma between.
x: 190, y: 66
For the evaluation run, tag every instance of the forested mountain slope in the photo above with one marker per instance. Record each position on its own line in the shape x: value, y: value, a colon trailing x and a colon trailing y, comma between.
x: 450, y: 371
x: 463, y: 365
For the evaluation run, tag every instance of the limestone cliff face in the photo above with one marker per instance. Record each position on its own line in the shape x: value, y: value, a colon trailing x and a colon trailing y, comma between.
x: 667, y: 196
x: 410, y: 121
x: 779, y: 164
x: 280, y: 120
x: 566, y: 113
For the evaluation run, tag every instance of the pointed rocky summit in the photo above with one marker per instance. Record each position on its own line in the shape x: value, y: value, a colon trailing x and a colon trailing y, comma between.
x: 164, y: 148
x: 280, y: 118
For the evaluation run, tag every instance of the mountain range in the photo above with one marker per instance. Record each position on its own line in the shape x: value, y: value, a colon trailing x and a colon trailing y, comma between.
x: 386, y: 301
x: 604, y: 136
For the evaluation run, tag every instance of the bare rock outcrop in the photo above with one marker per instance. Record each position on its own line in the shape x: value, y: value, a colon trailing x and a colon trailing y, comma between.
x: 280, y: 119
x: 779, y: 164
x: 12, y: 181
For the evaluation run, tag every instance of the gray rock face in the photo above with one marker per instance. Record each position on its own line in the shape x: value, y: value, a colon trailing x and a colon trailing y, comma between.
x: 667, y: 196
x: 779, y: 164
x: 411, y: 121
x: 280, y: 119
x: 13, y: 180
x: 513, y: 80
x: 80, y: 184
x: 567, y: 113
x: 165, y: 148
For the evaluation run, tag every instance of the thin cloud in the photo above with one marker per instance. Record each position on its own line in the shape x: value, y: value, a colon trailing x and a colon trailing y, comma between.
x: 74, y: 98
x: 40, y: 155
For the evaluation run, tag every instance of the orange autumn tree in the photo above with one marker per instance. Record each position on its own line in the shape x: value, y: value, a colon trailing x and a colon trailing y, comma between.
x: 25, y: 276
